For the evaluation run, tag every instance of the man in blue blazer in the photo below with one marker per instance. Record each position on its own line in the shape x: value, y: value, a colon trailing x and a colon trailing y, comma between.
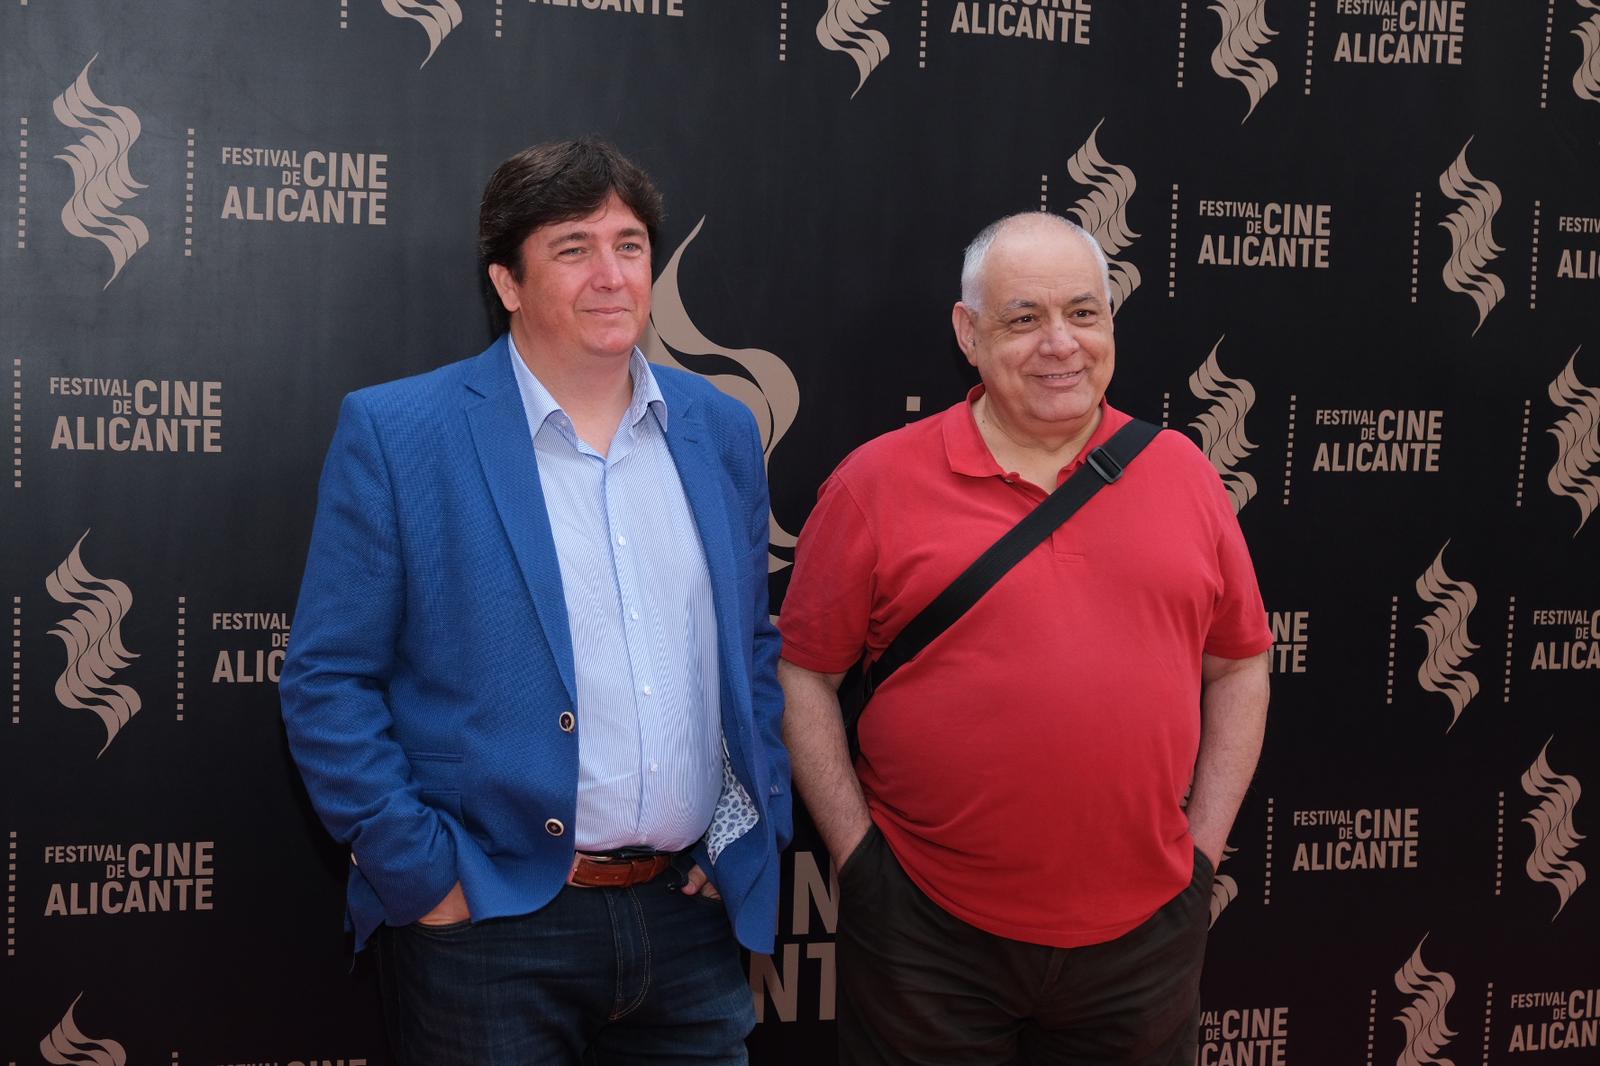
x: 532, y: 677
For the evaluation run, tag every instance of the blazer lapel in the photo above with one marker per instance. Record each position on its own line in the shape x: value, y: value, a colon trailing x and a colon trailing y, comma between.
x: 700, y: 471
x: 499, y: 426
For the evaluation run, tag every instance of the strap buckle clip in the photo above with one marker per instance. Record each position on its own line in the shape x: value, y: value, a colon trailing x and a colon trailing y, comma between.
x: 1104, y: 465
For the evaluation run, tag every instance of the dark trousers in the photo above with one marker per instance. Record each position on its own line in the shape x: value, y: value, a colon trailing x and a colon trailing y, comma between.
x: 599, y: 976
x: 917, y: 985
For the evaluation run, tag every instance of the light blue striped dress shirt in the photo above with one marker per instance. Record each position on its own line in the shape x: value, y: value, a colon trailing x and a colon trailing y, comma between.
x: 644, y: 634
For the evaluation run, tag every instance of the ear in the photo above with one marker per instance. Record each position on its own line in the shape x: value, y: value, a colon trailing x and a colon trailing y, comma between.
x: 506, y: 286
x: 965, y: 322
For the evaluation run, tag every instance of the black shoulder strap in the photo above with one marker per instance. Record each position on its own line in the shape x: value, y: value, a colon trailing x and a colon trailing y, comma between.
x: 1103, y: 466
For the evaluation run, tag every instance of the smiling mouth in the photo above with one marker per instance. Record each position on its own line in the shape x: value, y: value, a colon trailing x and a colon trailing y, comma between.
x: 1071, y: 375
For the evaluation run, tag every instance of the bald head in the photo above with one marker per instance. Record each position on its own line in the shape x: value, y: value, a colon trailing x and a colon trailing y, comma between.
x: 1030, y: 223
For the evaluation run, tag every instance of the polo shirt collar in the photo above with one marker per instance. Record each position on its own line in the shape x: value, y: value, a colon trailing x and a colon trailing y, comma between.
x: 967, y: 453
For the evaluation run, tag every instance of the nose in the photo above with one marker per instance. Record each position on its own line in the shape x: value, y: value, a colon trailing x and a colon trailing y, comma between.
x: 1060, y: 339
x: 607, y: 271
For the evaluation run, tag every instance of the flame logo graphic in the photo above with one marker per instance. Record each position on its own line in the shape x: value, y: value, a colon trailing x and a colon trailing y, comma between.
x: 1577, y: 442
x: 93, y: 636
x: 840, y: 29
x: 1426, y: 1030
x: 436, y: 19
x: 101, y: 181
x: 1586, y: 79
x: 1244, y: 31
x: 1104, y: 211
x: 1553, y: 834
x: 767, y: 385
x: 1222, y: 425
x: 1224, y: 889
x: 67, y: 1046
x: 1448, y: 643
x: 1472, y: 246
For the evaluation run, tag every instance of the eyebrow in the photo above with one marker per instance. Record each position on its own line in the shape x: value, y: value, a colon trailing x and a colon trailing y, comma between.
x: 579, y: 235
x: 1025, y: 304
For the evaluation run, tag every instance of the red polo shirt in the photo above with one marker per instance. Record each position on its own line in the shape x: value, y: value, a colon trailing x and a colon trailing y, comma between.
x: 1028, y: 767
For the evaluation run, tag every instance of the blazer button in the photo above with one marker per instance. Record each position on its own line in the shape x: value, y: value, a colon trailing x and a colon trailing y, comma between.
x: 554, y: 827
x: 567, y: 722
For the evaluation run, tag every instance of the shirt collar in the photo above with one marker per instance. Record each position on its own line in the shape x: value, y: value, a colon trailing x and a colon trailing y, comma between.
x: 967, y: 453
x: 540, y: 405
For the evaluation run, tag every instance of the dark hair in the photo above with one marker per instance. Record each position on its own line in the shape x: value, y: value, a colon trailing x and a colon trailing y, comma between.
x: 554, y: 182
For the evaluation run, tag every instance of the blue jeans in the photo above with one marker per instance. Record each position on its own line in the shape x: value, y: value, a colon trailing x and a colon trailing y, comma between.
x: 599, y: 976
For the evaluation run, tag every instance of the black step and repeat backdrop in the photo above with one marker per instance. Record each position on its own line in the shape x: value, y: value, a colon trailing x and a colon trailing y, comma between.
x: 1355, y: 245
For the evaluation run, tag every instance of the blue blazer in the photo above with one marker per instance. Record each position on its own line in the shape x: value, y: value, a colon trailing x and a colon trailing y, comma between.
x: 430, y: 660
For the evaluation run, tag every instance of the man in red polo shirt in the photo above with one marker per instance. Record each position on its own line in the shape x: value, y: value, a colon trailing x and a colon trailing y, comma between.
x: 1022, y: 879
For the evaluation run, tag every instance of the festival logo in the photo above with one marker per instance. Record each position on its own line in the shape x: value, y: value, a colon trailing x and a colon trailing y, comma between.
x: 767, y: 386
x: 93, y: 636
x: 1472, y: 244
x: 1382, y: 440
x: 1554, y: 836
x: 144, y: 877
x: 1103, y: 211
x: 1238, y: 1036
x: 1586, y: 79
x: 437, y: 19
x: 101, y: 180
x: 1364, y: 838
x: 842, y: 28
x: 1577, y: 436
x: 1221, y: 425
x: 1224, y: 889
x: 255, y: 644
x: 1400, y: 32
x: 1244, y: 32
x: 1427, y: 1028
x: 1449, y: 646
x: 67, y: 1046
x: 1047, y: 21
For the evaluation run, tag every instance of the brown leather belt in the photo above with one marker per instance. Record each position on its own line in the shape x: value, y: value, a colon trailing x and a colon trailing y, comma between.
x: 600, y: 871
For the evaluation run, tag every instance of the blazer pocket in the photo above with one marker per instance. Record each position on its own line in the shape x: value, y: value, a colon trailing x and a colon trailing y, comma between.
x: 447, y: 800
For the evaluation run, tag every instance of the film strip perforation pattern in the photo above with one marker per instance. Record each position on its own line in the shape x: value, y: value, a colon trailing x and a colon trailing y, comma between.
x: 183, y: 615
x: 499, y: 18
x: 344, y: 14
x: 1544, y: 74
x: 1394, y: 618
x: 1511, y: 634
x: 1288, y: 450
x: 1522, y: 451
x: 783, y: 31
x: 11, y: 893
x: 16, y: 423
x: 188, y: 195
x: 1183, y: 37
x: 1499, y: 840
x: 1166, y: 410
x: 1533, y: 261
x: 1311, y: 40
x: 1372, y: 1021
x: 1488, y: 1014
x: 922, y: 38
x: 1416, y: 242
x: 1172, y: 245
x: 1266, y: 861
x: 1044, y: 192
x: 16, y: 660
x: 22, y: 182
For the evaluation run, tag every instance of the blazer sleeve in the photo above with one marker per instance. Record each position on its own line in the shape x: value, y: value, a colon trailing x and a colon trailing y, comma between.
x: 335, y: 681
